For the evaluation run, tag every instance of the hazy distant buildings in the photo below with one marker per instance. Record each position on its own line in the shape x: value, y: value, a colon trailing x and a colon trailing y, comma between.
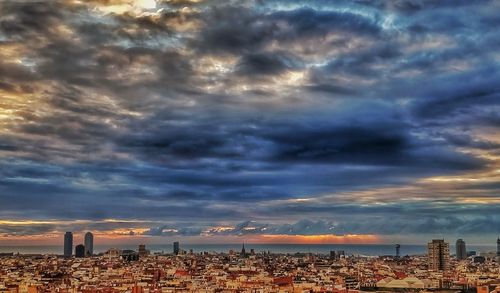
x: 142, y: 250
x: 89, y: 244
x: 80, y: 250
x: 398, y: 247
x: 68, y: 244
x: 176, y: 248
x: 113, y: 253
x: 460, y: 249
x: 130, y: 255
x: 438, y: 254
x: 471, y: 253
x: 336, y: 255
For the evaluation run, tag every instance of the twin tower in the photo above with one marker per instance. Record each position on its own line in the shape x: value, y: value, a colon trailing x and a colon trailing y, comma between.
x: 81, y: 250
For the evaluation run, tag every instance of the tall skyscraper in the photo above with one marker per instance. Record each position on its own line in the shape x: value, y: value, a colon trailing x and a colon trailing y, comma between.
x: 460, y: 248
x: 68, y: 244
x: 398, y: 247
x: 89, y: 244
x: 176, y: 248
x: 439, y: 254
x: 80, y: 250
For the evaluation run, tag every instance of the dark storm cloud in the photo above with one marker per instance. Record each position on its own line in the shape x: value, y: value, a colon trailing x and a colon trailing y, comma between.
x: 29, y: 19
x: 349, y: 144
x: 241, y: 30
x: 265, y: 64
x: 234, y: 30
x: 469, y: 90
x: 463, y: 140
x: 219, y: 112
x: 308, y: 21
x: 376, y: 141
x: 359, y: 63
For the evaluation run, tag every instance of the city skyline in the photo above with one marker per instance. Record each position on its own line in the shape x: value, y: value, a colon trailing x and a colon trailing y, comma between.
x: 438, y: 250
x: 438, y: 253
x: 204, y: 121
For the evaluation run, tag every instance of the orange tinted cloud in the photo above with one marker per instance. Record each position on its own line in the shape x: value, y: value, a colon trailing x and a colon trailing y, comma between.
x: 319, y: 239
x: 114, y: 238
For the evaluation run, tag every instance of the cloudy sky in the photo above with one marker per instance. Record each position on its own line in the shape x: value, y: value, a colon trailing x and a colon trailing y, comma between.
x: 265, y: 121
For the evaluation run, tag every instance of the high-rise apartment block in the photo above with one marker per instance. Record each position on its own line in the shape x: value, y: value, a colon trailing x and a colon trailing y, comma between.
x: 439, y: 254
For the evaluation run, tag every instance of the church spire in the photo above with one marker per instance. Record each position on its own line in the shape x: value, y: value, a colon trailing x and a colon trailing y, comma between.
x: 243, y: 252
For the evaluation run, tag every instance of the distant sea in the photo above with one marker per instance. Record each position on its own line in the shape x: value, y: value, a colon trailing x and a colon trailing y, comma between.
x: 350, y: 249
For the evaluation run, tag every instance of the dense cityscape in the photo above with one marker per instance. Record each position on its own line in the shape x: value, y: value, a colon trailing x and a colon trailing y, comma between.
x: 79, y: 269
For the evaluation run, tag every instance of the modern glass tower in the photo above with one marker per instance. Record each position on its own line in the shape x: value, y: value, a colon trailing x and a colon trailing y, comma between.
x: 176, y: 248
x: 68, y: 244
x: 461, y: 251
x: 89, y: 244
